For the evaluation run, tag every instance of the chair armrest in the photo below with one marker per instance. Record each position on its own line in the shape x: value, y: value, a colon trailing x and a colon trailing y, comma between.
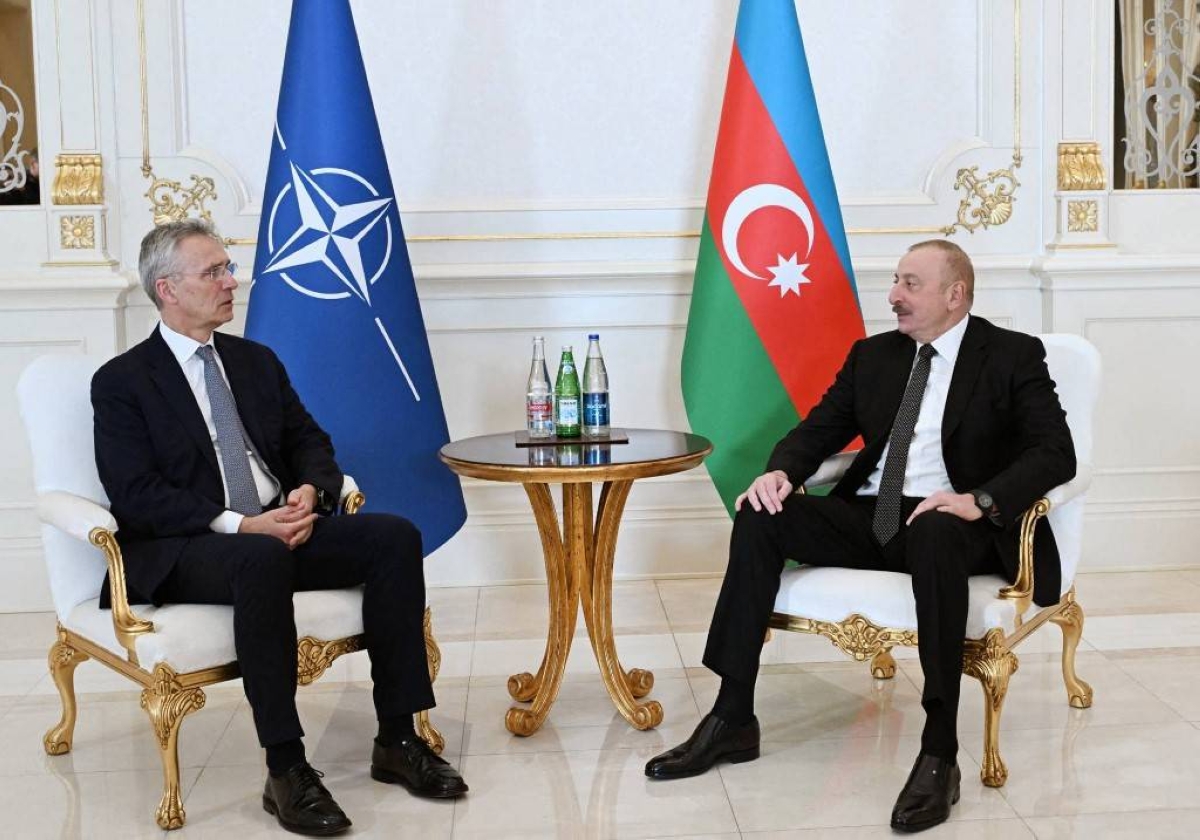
x: 831, y: 469
x: 73, y: 514
x: 1077, y: 486
x: 1021, y: 589
x: 85, y: 520
x: 351, y: 498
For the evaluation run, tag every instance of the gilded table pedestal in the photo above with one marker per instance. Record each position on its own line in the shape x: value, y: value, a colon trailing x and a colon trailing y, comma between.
x: 579, y: 555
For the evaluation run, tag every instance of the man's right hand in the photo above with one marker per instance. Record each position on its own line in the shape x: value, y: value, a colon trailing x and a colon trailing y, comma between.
x: 281, y: 523
x: 767, y: 491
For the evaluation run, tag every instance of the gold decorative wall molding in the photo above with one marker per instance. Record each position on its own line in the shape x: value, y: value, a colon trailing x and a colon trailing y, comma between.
x: 169, y: 200
x: 987, y: 201
x: 1080, y: 167
x: 77, y: 232
x: 78, y: 179
x: 1083, y: 216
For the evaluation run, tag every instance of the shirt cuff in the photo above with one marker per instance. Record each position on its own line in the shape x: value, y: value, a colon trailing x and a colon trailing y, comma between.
x: 227, y: 522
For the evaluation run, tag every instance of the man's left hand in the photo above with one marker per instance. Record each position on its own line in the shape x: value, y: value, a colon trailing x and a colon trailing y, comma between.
x: 961, y: 505
x: 300, y: 503
x: 303, y: 499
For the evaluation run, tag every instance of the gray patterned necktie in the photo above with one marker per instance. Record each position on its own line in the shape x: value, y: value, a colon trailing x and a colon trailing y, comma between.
x: 243, y: 493
x: 891, y: 486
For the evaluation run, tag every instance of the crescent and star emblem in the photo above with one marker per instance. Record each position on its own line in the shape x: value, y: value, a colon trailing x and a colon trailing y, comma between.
x: 787, y: 273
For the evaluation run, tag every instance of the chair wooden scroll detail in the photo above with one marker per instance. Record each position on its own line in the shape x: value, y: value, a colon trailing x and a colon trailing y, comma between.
x: 867, y: 613
x: 172, y: 651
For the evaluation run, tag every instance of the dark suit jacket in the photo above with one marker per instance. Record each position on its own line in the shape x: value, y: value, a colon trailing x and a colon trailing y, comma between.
x: 156, y: 459
x: 1003, y: 430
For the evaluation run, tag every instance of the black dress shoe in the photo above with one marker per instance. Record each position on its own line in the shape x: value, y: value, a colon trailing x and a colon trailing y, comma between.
x: 410, y: 762
x: 302, y: 804
x: 932, y: 787
x: 714, y: 740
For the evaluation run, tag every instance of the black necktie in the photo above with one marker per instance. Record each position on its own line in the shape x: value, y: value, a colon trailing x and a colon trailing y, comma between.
x: 891, y: 486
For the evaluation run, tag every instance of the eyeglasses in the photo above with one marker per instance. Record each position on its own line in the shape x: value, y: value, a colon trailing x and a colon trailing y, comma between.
x: 212, y: 275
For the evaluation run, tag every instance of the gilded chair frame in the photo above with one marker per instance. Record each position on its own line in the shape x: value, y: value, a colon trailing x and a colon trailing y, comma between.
x: 169, y: 696
x: 990, y: 660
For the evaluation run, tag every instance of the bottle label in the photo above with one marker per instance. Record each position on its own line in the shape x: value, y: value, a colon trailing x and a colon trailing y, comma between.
x: 539, y: 415
x: 568, y: 411
x: 539, y: 408
x: 595, y: 409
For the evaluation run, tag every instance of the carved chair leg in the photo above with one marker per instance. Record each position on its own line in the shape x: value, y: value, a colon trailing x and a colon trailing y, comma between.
x: 883, y: 666
x: 992, y: 663
x: 167, y: 702
x: 62, y: 660
x: 433, y: 653
x: 1070, y: 621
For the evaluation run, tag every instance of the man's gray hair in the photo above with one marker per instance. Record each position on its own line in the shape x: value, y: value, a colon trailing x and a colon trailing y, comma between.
x: 158, y: 257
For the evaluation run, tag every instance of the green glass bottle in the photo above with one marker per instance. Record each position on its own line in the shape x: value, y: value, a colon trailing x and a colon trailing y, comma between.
x: 566, y: 397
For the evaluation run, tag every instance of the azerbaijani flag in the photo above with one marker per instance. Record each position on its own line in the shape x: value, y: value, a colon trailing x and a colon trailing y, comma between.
x: 774, y: 306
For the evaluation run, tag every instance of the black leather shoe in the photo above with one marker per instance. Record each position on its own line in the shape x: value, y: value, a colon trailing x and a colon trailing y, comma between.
x: 410, y: 762
x: 932, y: 787
x: 302, y: 804
x: 714, y: 740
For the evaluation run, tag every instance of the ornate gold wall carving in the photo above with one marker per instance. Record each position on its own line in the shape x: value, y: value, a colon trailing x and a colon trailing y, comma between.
x: 1083, y: 216
x: 1080, y: 167
x: 987, y: 201
x: 77, y: 232
x: 170, y: 202
x: 78, y: 179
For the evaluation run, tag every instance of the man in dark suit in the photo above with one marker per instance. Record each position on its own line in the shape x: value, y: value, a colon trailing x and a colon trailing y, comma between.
x: 962, y: 432
x: 222, y: 485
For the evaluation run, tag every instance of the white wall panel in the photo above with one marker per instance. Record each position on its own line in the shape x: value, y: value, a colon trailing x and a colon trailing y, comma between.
x: 534, y: 125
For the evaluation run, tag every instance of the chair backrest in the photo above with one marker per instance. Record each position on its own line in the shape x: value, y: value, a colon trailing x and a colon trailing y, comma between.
x: 1075, y: 367
x: 53, y: 395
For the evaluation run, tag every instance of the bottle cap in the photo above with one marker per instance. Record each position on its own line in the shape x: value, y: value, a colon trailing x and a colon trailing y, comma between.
x: 593, y: 336
x: 567, y: 348
x: 538, y: 338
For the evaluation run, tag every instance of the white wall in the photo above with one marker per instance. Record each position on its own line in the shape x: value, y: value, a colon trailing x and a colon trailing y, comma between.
x: 539, y: 119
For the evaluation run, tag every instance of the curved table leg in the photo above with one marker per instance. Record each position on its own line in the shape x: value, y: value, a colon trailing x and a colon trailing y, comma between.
x: 562, y: 581
x: 596, y: 595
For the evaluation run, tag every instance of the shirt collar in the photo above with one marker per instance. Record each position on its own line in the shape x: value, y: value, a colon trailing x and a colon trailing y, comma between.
x: 181, y: 346
x: 948, y: 343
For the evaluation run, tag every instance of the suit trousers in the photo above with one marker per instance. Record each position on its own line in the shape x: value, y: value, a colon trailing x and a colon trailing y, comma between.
x: 257, y: 575
x: 939, y: 550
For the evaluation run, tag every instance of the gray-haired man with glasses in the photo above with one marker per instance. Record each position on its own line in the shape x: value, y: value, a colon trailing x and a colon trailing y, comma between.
x: 218, y: 478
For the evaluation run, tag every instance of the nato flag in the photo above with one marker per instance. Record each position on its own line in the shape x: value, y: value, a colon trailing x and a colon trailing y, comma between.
x: 334, y: 293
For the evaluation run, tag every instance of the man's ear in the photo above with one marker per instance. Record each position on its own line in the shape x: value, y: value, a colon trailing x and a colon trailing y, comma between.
x: 958, y: 295
x: 164, y: 289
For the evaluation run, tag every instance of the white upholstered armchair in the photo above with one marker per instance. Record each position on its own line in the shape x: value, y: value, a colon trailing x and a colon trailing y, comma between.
x: 170, y: 651
x: 867, y: 613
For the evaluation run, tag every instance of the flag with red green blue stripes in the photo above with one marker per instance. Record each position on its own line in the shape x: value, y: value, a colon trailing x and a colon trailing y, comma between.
x: 774, y: 306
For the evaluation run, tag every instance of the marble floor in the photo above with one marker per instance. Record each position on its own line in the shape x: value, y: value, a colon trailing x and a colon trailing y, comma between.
x: 837, y: 745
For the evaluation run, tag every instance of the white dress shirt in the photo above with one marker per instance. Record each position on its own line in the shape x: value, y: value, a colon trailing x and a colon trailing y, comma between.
x: 925, y: 470
x: 184, y: 350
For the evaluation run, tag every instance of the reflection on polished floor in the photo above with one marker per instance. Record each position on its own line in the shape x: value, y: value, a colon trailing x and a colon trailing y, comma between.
x: 837, y: 745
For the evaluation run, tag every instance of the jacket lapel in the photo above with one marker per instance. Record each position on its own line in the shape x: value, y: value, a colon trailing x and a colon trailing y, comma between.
x: 971, y: 356
x: 169, y: 379
x: 893, y: 379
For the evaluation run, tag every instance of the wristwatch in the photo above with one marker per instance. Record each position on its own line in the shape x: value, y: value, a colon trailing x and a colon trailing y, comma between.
x: 985, y: 502
x: 323, y: 504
